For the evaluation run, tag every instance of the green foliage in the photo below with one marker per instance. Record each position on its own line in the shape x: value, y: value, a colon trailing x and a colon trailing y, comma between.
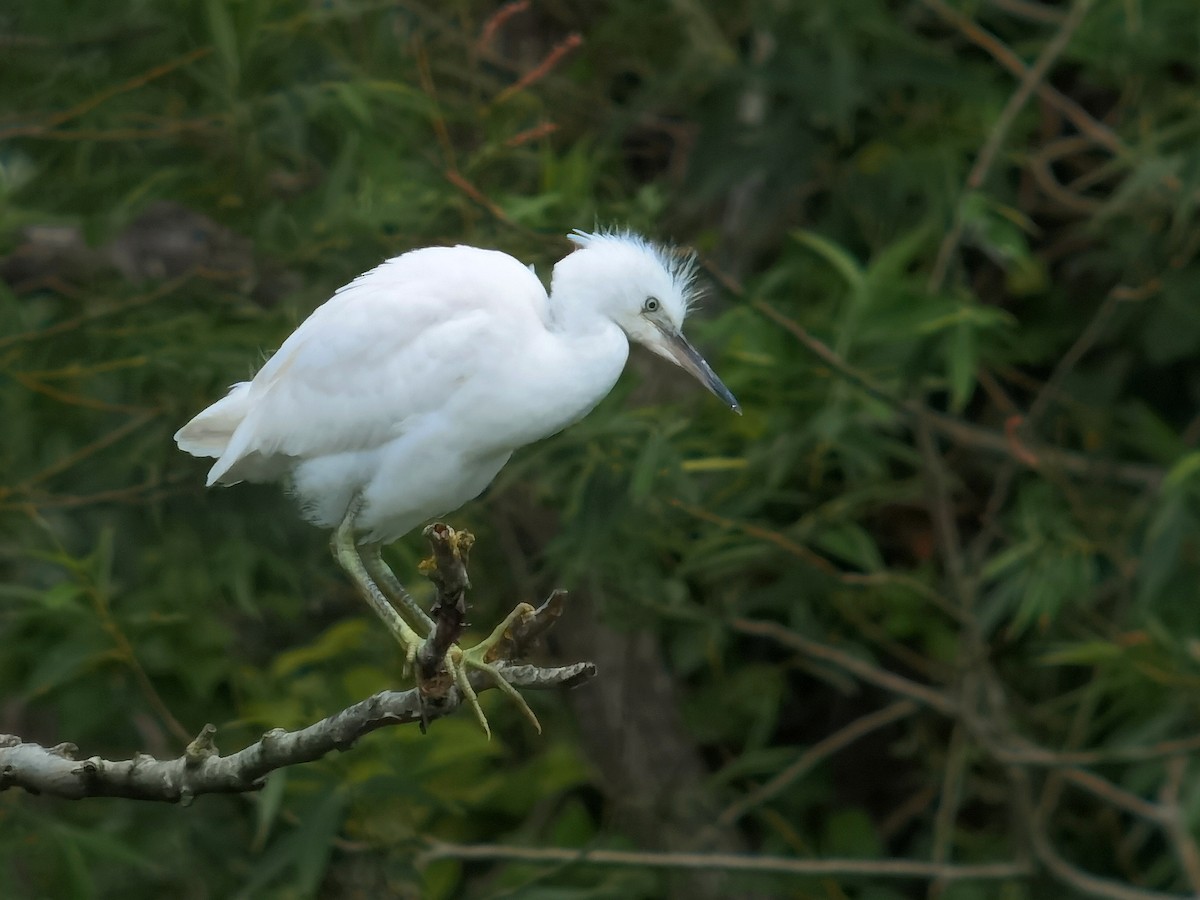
x: 1039, y: 319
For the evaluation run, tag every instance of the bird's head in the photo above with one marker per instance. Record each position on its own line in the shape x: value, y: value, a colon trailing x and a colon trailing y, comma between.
x: 642, y: 287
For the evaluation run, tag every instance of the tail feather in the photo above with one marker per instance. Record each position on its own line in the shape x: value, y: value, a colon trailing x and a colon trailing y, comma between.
x: 210, y: 432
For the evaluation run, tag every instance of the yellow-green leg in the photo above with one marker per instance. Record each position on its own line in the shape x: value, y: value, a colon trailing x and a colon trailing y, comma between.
x: 383, y: 576
x: 380, y: 588
x: 345, y: 551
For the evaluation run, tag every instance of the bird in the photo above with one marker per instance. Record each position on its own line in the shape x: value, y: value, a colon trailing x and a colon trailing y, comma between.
x: 400, y: 398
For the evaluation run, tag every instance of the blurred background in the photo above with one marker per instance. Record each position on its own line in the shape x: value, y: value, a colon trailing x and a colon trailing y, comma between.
x: 933, y: 597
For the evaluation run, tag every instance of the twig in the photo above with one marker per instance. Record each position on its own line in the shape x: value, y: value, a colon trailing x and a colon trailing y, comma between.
x: 456, y: 178
x: 820, y: 563
x: 1037, y: 756
x: 1069, y: 360
x: 1029, y: 82
x: 1175, y: 824
x: 1032, y: 77
x: 496, y: 21
x: 1144, y: 477
x: 996, y: 48
x: 447, y: 569
x: 815, y: 754
x: 949, y: 801
x: 1002, y: 486
x: 922, y: 694
x: 729, y: 862
x: 1037, y: 12
x: 1066, y: 872
x: 941, y: 511
x: 77, y: 456
x: 425, y: 76
x: 1039, y: 167
x: 1116, y: 796
x: 556, y: 55
x: 541, y: 130
x: 782, y: 541
x: 39, y: 128
x: 97, y: 311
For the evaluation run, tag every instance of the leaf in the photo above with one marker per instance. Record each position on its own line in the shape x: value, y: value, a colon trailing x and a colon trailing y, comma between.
x: 269, y: 801
x: 850, y: 832
x: 961, y: 365
x: 305, y: 849
x: 645, y: 469
x: 852, y: 543
x: 1171, y: 524
x: 63, y: 663
x: 102, y: 845
x: 64, y: 596
x: 345, y: 637
x: 714, y: 464
x: 1183, y: 471
x: 225, y: 38
x: 845, y: 264
x: 1084, y: 654
x: 891, y: 264
x: 353, y: 100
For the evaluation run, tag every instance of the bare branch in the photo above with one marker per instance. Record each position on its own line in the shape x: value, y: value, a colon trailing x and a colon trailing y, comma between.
x: 729, y: 862
x: 202, y: 770
x: 1061, y: 869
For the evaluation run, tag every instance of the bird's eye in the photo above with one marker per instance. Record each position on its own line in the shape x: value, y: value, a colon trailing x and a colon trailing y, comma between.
x: 651, y: 305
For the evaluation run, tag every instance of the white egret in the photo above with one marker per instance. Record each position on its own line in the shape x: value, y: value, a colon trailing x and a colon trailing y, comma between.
x: 402, y: 397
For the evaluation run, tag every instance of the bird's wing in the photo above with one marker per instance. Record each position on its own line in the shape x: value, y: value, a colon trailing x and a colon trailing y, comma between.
x: 390, y: 347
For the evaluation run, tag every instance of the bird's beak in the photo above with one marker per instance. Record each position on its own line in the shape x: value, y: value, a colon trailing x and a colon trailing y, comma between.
x: 682, y: 353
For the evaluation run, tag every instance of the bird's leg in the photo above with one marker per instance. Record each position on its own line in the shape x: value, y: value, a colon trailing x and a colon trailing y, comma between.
x: 367, y: 570
x: 345, y: 550
x: 383, y: 576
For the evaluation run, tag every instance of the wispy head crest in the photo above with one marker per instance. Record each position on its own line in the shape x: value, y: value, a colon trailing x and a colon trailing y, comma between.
x: 682, y: 265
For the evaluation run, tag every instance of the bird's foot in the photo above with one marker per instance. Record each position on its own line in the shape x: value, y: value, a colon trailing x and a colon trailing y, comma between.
x: 459, y: 664
x: 483, y: 657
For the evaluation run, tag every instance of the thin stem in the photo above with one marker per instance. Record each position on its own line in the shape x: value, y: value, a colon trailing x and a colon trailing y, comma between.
x: 729, y: 862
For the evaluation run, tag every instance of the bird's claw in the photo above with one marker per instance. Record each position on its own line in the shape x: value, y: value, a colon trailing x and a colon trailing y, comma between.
x: 483, y: 657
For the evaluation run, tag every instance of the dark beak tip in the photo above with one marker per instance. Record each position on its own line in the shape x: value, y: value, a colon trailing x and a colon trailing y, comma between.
x: 688, y: 358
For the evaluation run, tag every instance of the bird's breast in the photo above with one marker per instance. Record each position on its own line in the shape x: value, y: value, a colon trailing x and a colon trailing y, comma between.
x: 549, y: 385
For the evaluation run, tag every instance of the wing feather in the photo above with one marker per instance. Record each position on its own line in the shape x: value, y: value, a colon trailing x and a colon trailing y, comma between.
x: 383, y: 352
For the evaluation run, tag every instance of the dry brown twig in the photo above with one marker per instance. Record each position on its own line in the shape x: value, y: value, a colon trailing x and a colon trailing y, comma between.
x: 1074, y: 113
x: 202, y: 770
x: 1031, y: 78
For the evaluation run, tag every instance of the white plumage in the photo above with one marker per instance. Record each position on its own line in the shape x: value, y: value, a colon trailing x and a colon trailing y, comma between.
x: 401, y: 397
x: 413, y: 384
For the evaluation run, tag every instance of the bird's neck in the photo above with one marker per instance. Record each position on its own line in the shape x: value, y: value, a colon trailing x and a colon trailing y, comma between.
x: 589, y: 350
x: 573, y: 319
